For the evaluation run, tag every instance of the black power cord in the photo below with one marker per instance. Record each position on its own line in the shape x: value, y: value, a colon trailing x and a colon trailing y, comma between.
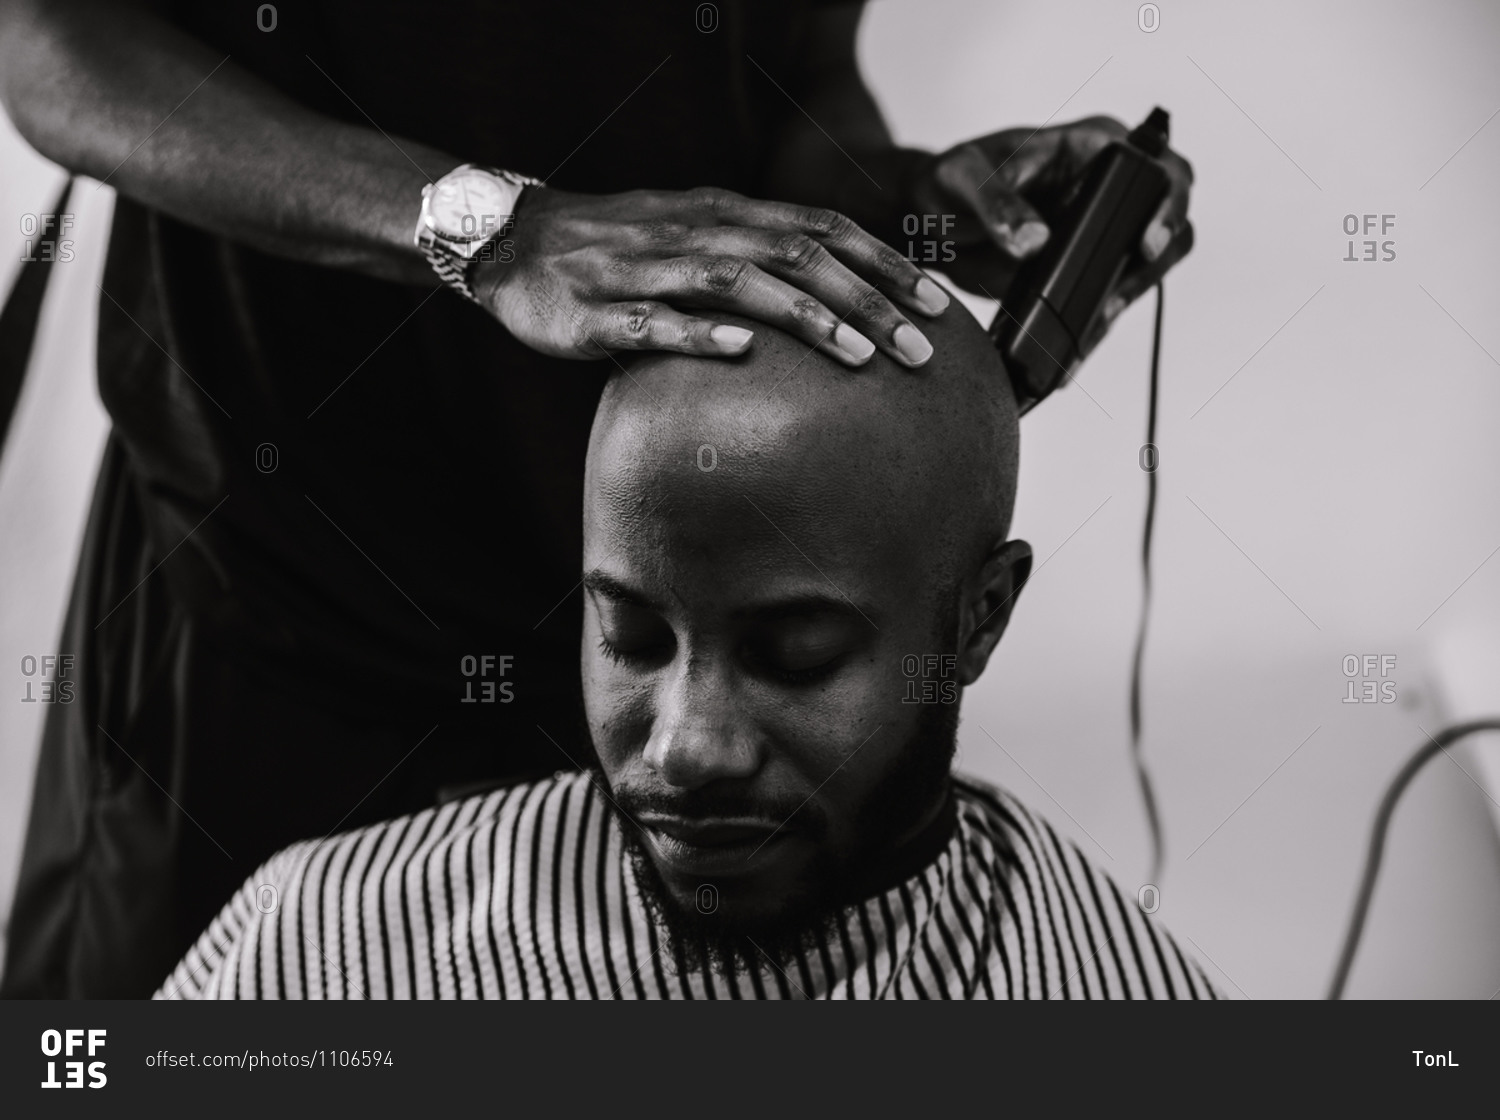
x: 1137, y: 756
x: 1435, y: 745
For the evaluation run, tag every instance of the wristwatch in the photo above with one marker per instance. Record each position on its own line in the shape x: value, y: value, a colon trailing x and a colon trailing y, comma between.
x: 461, y: 213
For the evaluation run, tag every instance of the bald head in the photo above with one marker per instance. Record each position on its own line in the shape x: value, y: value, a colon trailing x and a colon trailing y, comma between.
x: 929, y: 454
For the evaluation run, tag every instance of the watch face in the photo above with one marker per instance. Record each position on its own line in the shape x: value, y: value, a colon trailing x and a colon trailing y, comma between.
x: 469, y: 205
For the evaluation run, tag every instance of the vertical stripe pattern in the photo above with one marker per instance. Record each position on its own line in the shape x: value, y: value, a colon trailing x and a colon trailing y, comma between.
x: 527, y: 893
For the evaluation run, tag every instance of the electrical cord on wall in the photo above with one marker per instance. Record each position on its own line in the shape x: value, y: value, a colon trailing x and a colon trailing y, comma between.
x: 1435, y: 745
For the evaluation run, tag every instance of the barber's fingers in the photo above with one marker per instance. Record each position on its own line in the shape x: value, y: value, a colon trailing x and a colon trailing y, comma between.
x: 807, y: 266
x: 1171, y: 215
x: 991, y: 189
x: 1008, y: 165
x: 732, y: 283
x: 862, y: 253
x: 649, y: 325
x: 1145, y: 275
x: 1136, y: 282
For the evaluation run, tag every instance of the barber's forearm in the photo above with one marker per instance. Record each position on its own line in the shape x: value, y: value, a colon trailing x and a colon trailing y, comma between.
x: 111, y: 91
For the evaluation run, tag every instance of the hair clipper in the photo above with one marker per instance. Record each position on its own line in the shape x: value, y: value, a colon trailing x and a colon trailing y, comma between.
x: 1057, y: 295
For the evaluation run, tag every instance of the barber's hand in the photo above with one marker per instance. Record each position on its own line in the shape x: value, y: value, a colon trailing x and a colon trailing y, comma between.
x: 645, y: 270
x: 1007, y: 186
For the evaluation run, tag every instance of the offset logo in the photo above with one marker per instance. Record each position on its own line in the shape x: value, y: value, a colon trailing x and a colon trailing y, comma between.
x: 486, y: 665
x: 934, y: 229
x: 66, y: 1044
x: 1368, y: 695
x: 37, y: 670
x: 1369, y: 222
x: 930, y: 678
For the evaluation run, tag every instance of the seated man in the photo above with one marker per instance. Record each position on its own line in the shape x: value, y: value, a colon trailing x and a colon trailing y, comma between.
x: 774, y: 548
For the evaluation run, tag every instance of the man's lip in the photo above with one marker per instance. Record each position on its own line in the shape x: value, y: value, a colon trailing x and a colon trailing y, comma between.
x: 717, y: 850
x: 713, y: 832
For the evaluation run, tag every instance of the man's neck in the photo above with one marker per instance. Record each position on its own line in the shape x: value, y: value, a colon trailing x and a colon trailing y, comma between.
x: 910, y: 853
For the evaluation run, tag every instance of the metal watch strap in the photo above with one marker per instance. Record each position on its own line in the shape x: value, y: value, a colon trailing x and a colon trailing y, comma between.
x: 451, y: 267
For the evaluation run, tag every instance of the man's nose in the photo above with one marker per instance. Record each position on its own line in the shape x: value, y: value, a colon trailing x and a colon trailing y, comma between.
x: 700, y: 735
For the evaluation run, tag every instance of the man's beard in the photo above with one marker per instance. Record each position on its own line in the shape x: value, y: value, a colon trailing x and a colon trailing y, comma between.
x: 836, y: 878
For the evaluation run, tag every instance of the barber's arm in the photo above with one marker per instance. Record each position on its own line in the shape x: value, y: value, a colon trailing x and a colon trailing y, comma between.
x: 114, y: 91
x: 108, y: 89
x: 1000, y: 189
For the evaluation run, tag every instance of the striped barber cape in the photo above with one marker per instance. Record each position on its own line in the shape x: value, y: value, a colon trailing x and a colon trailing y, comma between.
x: 528, y: 892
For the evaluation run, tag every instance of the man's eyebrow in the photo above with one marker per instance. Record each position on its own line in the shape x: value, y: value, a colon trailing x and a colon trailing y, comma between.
x: 602, y: 583
x: 806, y: 605
x: 803, y: 605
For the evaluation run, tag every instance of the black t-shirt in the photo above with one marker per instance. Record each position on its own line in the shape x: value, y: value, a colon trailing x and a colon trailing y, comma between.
x: 425, y: 501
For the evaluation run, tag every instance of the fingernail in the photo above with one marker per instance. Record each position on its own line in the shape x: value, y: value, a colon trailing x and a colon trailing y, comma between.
x: 1112, y: 308
x: 930, y: 297
x: 913, y: 346
x: 730, y: 338
x: 855, y: 345
x: 1156, y: 241
x: 1028, y: 239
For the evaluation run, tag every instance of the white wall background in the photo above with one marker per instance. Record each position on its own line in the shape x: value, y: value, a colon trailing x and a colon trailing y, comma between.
x: 1351, y: 463
x: 1341, y: 494
x: 47, y: 470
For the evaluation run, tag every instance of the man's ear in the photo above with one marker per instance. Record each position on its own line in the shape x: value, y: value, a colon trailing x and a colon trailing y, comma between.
x: 987, y: 606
